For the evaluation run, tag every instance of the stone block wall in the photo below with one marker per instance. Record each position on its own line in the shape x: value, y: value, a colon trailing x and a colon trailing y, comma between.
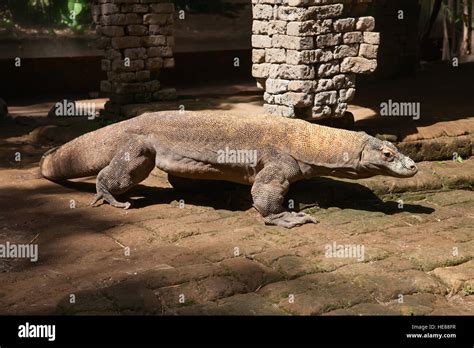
x: 137, y: 38
x: 306, y: 54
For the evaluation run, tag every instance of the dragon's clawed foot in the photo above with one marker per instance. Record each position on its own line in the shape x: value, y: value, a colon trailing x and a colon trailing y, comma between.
x: 290, y: 219
x: 111, y: 200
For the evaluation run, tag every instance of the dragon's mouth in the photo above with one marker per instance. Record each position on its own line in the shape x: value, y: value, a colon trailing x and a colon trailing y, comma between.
x: 398, y: 171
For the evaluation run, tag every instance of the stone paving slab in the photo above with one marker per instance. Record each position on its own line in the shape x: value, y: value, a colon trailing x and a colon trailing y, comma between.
x: 457, y: 278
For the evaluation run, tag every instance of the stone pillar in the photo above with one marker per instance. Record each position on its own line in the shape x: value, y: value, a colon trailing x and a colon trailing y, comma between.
x: 137, y: 38
x: 306, y: 54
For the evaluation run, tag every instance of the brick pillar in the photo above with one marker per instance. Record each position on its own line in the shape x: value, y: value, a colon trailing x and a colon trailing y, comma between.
x: 137, y: 38
x: 306, y: 54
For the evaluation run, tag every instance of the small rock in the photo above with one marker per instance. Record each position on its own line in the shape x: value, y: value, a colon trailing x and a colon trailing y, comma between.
x: 44, y: 133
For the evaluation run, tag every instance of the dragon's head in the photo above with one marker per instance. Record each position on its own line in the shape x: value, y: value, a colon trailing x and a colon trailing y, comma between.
x: 383, y: 158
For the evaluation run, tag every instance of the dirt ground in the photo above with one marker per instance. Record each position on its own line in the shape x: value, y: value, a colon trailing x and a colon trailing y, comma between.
x: 209, y: 252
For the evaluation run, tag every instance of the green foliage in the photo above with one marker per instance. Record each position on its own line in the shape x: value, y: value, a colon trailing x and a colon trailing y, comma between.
x: 468, y: 290
x: 74, y: 14
x: 41, y: 5
x: 74, y: 10
x: 5, y: 18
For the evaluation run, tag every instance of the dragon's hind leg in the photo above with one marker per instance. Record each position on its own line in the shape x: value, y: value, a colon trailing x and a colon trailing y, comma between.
x: 131, y: 165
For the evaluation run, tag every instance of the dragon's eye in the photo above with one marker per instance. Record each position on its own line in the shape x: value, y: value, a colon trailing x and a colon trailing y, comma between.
x: 387, y: 154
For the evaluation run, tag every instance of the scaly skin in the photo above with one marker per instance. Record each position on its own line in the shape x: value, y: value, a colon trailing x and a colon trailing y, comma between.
x: 188, y: 145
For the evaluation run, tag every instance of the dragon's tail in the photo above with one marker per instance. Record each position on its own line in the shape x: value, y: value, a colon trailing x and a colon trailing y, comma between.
x: 84, y: 156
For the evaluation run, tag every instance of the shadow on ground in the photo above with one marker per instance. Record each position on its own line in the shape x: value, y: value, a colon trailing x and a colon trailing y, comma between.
x: 443, y: 91
x: 319, y: 192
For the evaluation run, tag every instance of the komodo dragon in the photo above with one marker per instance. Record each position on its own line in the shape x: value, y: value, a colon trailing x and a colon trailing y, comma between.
x: 192, y: 145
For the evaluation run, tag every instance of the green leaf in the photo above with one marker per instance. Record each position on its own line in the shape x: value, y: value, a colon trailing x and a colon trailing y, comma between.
x: 77, y: 8
x: 70, y: 5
